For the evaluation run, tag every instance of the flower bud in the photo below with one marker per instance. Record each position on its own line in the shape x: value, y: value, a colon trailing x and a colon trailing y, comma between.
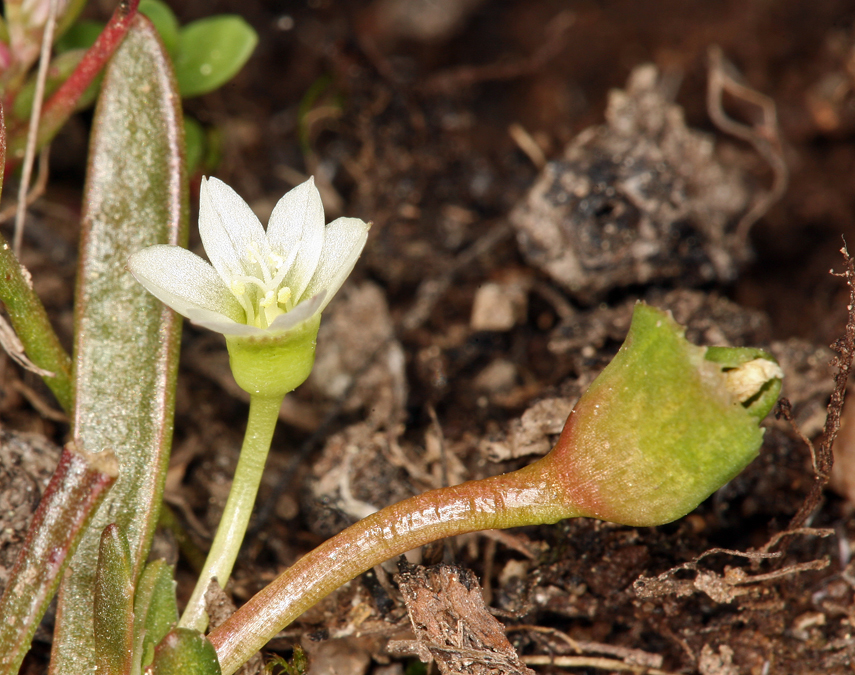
x: 664, y: 425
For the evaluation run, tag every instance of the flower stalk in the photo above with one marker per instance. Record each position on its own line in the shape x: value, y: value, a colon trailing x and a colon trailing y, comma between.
x: 263, y: 414
x: 510, y: 500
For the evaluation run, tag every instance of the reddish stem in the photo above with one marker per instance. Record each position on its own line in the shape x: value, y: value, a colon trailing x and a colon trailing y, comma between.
x: 524, y: 497
x: 61, y: 105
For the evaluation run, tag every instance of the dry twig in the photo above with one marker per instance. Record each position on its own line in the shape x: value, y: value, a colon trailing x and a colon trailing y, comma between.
x: 35, y: 117
x: 822, y: 454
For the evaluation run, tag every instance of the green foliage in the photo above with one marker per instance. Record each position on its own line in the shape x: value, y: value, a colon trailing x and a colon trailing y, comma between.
x: 126, y: 344
x: 113, y: 602
x: 74, y: 493
x: 298, y: 665
x: 60, y: 69
x: 184, y: 652
x: 164, y: 20
x: 211, y: 52
x: 155, y: 609
x: 81, y: 35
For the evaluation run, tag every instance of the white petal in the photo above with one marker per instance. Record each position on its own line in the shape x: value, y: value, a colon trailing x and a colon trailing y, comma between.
x: 296, y: 228
x: 228, y: 228
x: 344, y: 241
x: 183, y: 281
x: 220, y: 323
x: 305, y: 310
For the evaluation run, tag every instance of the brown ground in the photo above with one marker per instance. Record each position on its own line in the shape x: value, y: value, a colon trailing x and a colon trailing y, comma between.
x: 437, y: 137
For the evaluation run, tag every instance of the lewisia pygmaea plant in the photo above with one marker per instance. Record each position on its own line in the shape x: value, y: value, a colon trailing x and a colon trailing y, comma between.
x: 664, y: 425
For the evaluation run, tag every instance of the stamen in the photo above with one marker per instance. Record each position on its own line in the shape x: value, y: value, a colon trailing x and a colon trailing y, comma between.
x: 249, y: 280
x: 284, y: 296
x: 253, y: 254
x: 267, y: 300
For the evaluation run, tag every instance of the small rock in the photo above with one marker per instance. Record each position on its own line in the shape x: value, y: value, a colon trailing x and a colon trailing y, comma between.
x: 499, y: 376
x: 499, y: 306
x: 638, y: 199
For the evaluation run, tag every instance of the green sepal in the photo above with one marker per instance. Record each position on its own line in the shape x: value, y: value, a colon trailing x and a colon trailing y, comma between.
x: 656, y: 433
x: 211, y: 51
x: 113, y: 602
x: 184, y: 651
x: 155, y: 609
x: 274, y: 364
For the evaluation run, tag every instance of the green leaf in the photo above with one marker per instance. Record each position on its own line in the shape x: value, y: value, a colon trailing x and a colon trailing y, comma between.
x: 126, y: 342
x: 59, y: 107
x: 211, y: 52
x: 81, y: 35
x: 194, y: 135
x: 60, y: 69
x: 28, y: 315
x: 68, y: 17
x: 163, y: 18
x: 185, y: 651
x: 155, y: 609
x: 113, y: 602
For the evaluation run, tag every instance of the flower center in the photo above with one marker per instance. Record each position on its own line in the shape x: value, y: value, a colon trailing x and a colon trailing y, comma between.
x: 260, y: 292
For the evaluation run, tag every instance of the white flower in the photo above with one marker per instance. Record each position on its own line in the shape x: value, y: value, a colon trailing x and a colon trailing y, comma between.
x: 258, y: 283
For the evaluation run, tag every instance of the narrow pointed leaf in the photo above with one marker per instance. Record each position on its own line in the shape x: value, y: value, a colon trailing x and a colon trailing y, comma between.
x: 113, y: 601
x: 77, y: 487
x: 126, y: 342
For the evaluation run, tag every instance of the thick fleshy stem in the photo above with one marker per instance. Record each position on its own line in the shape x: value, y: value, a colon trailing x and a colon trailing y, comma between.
x: 263, y: 413
x: 524, y: 497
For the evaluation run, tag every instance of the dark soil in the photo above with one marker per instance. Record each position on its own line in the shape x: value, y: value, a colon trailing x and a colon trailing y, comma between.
x: 461, y: 340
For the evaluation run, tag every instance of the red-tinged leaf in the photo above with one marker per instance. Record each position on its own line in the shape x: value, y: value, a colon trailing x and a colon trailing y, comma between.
x: 126, y: 342
x: 78, y: 486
